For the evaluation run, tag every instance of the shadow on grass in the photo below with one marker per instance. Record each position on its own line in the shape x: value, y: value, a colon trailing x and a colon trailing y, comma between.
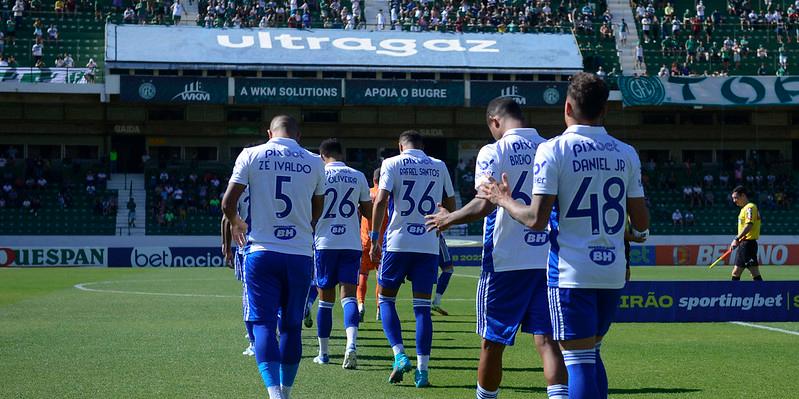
x: 666, y: 392
x: 474, y: 368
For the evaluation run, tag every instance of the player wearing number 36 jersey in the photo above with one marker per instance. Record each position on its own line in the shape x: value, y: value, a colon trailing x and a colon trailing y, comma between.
x: 286, y: 184
x: 584, y: 184
x: 412, y: 184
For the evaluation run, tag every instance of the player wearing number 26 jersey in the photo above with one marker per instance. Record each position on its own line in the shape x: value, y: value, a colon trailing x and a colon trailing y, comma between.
x: 286, y: 184
x: 411, y: 186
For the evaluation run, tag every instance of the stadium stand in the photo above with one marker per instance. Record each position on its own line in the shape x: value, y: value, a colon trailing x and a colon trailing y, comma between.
x: 59, y: 197
x: 714, y: 37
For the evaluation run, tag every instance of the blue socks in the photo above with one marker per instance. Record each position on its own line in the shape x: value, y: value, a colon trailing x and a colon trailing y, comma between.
x: 288, y: 372
x: 581, y: 365
x: 267, y: 354
x: 601, y: 375
x: 324, y: 319
x: 250, y: 334
x: 443, y: 281
x: 559, y: 391
x: 351, y: 319
x: 424, y: 326
x: 390, y: 319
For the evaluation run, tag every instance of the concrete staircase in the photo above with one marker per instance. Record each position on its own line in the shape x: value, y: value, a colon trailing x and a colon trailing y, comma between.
x: 129, y: 185
x: 190, y: 13
x: 621, y: 10
x: 370, y: 9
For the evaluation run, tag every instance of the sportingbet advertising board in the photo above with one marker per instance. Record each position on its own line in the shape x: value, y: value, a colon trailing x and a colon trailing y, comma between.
x: 706, y: 301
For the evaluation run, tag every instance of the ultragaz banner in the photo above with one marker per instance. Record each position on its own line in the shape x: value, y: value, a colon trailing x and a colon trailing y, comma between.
x: 708, y: 301
x: 319, y: 48
x: 708, y: 90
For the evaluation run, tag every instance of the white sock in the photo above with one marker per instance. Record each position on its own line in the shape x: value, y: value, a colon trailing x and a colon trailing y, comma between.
x: 399, y: 348
x: 352, y: 336
x: 323, y: 346
x: 437, y: 299
x: 483, y: 393
x: 274, y: 392
x: 421, y: 362
x: 286, y: 391
x: 360, y: 307
x: 559, y: 391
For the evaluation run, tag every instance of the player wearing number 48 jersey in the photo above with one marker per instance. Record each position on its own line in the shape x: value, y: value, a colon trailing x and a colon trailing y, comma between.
x: 286, y: 184
x: 512, y: 292
x: 338, y: 248
x: 585, y: 183
x: 411, y: 184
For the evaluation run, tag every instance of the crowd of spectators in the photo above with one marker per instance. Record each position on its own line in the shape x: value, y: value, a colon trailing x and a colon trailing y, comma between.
x: 689, y: 37
x: 176, y: 198
x: 36, y: 185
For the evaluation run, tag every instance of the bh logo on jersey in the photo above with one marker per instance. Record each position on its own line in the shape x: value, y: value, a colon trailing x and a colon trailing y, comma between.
x: 603, y: 255
x: 285, y: 232
x: 416, y: 229
x: 536, y: 238
x: 338, y: 229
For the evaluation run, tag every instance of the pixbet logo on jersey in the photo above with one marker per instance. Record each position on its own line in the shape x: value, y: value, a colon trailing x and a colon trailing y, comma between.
x: 163, y: 257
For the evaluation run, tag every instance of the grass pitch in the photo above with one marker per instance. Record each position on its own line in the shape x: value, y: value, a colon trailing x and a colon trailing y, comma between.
x: 154, y: 333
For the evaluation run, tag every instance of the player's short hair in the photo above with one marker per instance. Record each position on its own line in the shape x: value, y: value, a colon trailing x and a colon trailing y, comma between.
x: 588, y: 94
x: 504, y: 107
x: 413, y: 138
x: 376, y: 175
x: 331, y: 148
x: 285, y: 123
x: 740, y: 190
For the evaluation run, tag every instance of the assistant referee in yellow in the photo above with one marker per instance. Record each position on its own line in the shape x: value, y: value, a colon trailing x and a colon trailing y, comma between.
x: 748, y: 233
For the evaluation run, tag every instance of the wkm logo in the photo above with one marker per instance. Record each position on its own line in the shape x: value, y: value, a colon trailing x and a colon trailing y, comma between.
x: 193, y: 92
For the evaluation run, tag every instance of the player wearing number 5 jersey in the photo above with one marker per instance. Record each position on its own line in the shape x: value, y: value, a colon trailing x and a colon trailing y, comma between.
x: 411, y: 185
x: 286, y: 184
x: 512, y: 291
x: 585, y: 182
x: 338, y: 248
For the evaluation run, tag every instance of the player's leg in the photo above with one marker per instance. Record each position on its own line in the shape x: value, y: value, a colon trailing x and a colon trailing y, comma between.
x: 363, y: 283
x: 740, y: 263
x: 264, y: 289
x: 422, y: 273
x: 737, y: 271
x: 441, y: 287
x: 240, y: 275
x: 325, y: 264
x: 298, y: 272
x: 607, y: 303
x: 537, y: 321
x: 348, y: 278
x: 755, y: 272
x: 391, y: 274
x: 489, y: 369
x: 751, y: 260
x: 574, y: 325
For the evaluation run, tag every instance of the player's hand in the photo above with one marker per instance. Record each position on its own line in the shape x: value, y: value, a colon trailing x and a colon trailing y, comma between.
x: 227, y: 252
x: 494, y: 191
x: 638, y: 239
x: 439, y: 220
x: 374, y: 252
x: 238, y: 229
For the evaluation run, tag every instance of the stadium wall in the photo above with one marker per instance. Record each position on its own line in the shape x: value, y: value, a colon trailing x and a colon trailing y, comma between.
x: 203, y: 251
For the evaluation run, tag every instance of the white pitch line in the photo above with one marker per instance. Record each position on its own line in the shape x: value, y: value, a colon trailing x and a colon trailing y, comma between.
x: 83, y: 287
x: 741, y: 323
x: 466, y: 275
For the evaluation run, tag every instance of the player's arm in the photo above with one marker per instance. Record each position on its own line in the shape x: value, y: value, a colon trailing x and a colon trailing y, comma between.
x: 365, y: 207
x: 378, y: 213
x: 737, y: 240
x: 230, y: 209
x: 639, y: 218
x: 534, y: 217
x: 442, y: 220
x: 317, y: 206
x: 227, y: 252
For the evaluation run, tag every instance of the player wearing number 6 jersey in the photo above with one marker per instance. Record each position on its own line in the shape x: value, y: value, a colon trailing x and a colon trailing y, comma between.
x: 585, y: 182
x: 512, y: 291
x: 338, y: 248
x: 411, y: 184
x: 286, y: 184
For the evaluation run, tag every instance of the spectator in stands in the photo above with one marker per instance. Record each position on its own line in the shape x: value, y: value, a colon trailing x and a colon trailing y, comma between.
x: 52, y: 33
x: 68, y: 61
x: 36, y: 51
x: 689, y: 218
x: 41, y: 183
x: 58, y: 6
x: 709, y: 198
x: 91, y: 71
x: 128, y: 16
x: 177, y: 11
x: 761, y: 70
x: 676, y: 218
x: 697, y: 195
x: 639, y: 57
x: 18, y: 10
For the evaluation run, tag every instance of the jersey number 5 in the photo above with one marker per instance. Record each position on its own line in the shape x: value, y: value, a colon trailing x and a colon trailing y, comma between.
x: 279, y: 195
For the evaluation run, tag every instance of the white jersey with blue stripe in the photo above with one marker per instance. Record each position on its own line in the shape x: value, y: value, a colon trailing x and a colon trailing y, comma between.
x: 592, y: 174
x: 339, y: 227
x: 507, y: 244
x: 416, y: 183
x: 282, y: 178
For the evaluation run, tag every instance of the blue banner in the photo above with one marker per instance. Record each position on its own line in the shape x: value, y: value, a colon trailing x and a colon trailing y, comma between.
x: 166, y: 257
x: 127, y: 45
x: 708, y: 301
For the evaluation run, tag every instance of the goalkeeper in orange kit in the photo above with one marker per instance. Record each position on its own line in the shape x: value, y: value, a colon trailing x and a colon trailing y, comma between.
x: 366, y: 262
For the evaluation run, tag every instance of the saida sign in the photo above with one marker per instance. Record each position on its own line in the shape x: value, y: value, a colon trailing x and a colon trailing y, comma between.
x: 171, y: 89
x: 706, y: 90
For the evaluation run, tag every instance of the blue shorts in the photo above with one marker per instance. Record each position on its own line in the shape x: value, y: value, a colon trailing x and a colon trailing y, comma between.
x: 419, y: 268
x: 334, y: 266
x: 274, y: 281
x: 582, y: 312
x: 444, y: 259
x: 509, y: 300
